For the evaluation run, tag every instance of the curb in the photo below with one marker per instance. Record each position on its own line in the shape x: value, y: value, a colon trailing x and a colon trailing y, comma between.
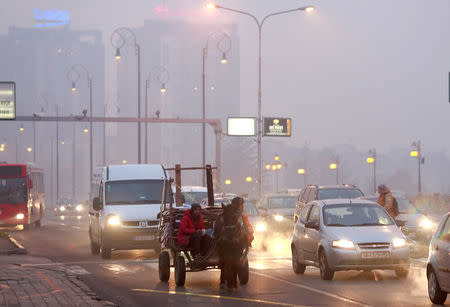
x: 18, y: 250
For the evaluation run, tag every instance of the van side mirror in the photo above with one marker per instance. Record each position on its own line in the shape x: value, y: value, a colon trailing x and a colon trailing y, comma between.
x: 400, y: 223
x: 312, y: 225
x: 96, y: 204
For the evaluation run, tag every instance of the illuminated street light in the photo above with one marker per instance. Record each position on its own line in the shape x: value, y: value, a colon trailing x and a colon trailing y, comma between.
x: 74, y: 88
x: 417, y: 153
x: 3, y: 145
x: 279, y: 166
x: 117, y: 56
x: 228, y: 181
x: 29, y: 149
x: 249, y: 179
x: 211, y: 6
x: 333, y: 166
x: 21, y: 129
x: 268, y: 166
x: 224, y: 59
x: 62, y: 142
x: 2, y: 148
x: 300, y: 171
x: 309, y: 9
x: 86, y: 130
x: 163, y: 88
x: 277, y: 158
x: 274, y: 167
x: 414, y: 153
x: 124, y: 161
x: 370, y: 160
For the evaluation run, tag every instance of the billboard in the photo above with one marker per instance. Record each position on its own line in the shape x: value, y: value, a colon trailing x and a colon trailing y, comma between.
x: 277, y: 126
x: 241, y: 126
x: 7, y: 100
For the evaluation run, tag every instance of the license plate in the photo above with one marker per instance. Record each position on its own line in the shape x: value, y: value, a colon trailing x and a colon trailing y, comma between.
x: 375, y: 255
x: 144, y: 238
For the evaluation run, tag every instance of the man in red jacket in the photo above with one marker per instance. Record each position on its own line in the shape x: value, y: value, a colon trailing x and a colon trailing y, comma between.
x: 191, y: 229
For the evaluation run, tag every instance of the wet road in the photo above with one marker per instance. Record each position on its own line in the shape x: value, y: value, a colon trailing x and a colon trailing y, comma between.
x: 130, y: 278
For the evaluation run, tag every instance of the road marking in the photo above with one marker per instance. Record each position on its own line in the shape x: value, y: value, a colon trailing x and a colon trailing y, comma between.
x: 76, y: 227
x: 341, y: 298
x: 89, y: 262
x: 218, y: 297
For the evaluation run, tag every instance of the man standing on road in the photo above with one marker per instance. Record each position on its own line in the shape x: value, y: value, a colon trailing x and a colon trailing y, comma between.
x: 386, y: 199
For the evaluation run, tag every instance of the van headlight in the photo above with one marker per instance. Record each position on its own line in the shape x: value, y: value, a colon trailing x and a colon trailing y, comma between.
x: 398, y: 242
x: 113, y: 220
x: 425, y: 223
x: 345, y: 244
x: 20, y: 216
x: 79, y: 208
x: 278, y: 218
x: 260, y: 227
x: 62, y: 208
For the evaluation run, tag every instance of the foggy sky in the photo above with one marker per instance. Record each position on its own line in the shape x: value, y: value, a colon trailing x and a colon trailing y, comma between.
x: 366, y: 73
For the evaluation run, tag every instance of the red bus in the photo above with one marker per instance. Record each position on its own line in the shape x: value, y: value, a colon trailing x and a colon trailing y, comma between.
x: 22, y: 195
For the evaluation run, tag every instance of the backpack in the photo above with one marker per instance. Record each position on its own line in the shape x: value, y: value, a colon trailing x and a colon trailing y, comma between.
x: 395, y: 207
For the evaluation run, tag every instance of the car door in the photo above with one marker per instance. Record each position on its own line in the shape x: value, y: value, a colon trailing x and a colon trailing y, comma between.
x: 311, y: 238
x: 300, y: 231
x: 442, y: 252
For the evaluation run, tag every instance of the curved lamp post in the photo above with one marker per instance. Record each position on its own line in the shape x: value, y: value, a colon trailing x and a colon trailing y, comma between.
x: 260, y: 24
x: 120, y: 33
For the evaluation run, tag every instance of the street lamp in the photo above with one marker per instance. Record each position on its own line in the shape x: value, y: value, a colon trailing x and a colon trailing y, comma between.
x: 74, y: 75
x: 249, y: 179
x: 417, y: 153
x: 223, y: 61
x: 163, y: 78
x: 372, y: 159
x: 301, y: 171
x: 260, y: 24
x: 228, y: 181
x: 120, y: 33
x: 336, y: 167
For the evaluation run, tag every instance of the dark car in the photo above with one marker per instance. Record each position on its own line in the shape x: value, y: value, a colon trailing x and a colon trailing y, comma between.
x: 438, y: 273
x: 321, y: 192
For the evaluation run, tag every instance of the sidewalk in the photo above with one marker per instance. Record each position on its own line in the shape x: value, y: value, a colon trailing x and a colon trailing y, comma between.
x: 22, y: 285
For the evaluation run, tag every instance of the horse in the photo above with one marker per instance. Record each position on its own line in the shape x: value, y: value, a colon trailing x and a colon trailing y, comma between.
x: 232, y: 239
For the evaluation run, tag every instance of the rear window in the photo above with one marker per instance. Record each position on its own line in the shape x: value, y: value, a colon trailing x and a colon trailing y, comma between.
x: 338, y: 193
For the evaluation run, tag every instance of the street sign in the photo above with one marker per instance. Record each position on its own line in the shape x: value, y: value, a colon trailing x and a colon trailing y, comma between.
x: 241, y: 126
x: 276, y: 126
x: 7, y: 100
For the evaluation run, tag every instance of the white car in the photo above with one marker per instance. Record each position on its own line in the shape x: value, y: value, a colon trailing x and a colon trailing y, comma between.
x: 347, y: 234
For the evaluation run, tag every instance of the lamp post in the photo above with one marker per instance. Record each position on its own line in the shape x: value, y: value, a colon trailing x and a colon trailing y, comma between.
x: 119, y: 32
x: 260, y: 24
x: 417, y: 153
x: 276, y: 166
x: 163, y: 77
x: 70, y: 75
x: 224, y: 60
x: 372, y: 159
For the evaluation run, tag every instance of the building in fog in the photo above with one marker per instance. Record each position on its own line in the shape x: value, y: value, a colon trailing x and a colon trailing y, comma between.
x: 39, y: 61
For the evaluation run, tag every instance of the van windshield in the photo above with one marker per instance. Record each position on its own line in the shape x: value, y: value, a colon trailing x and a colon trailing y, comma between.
x: 131, y: 192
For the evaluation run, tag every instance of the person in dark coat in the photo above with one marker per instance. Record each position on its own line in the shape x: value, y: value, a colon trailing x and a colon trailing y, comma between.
x: 191, y: 229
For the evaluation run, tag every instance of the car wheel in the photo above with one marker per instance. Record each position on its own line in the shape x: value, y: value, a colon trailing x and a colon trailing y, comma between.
x: 437, y: 296
x: 325, y: 272
x: 402, y: 273
x: 164, y: 266
x: 243, y: 273
x: 180, y: 271
x: 299, y: 268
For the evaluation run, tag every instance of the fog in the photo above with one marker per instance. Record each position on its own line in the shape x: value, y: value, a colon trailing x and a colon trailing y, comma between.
x: 352, y: 75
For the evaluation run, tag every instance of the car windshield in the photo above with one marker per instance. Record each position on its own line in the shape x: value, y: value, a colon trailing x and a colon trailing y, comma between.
x: 355, y: 215
x: 13, y: 191
x: 338, y: 193
x: 405, y: 206
x: 194, y: 197
x: 282, y: 202
x: 134, y: 192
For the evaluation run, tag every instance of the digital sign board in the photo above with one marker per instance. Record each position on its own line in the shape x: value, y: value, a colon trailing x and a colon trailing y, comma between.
x: 241, y: 126
x: 7, y: 100
x: 277, y: 126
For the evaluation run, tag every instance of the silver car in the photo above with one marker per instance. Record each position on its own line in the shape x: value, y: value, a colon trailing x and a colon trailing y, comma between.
x: 344, y: 234
x: 438, y: 267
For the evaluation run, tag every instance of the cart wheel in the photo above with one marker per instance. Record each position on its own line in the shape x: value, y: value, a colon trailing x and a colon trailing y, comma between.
x: 180, y: 271
x: 243, y: 272
x: 164, y: 266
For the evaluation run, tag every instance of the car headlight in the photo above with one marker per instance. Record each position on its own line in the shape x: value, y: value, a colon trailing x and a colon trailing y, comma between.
x: 20, y: 216
x: 114, y: 221
x: 398, y: 242
x: 62, y: 208
x: 79, y: 207
x: 260, y: 227
x: 345, y: 244
x: 278, y: 218
x: 426, y: 223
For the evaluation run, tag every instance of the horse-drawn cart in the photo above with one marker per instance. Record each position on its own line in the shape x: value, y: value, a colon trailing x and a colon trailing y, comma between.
x: 182, y: 257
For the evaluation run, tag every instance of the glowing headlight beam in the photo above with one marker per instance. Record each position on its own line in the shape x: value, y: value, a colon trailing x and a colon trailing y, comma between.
x: 261, y: 227
x: 398, y: 242
x: 345, y: 244
x: 278, y: 218
x: 426, y: 223
x: 113, y: 221
x: 20, y: 216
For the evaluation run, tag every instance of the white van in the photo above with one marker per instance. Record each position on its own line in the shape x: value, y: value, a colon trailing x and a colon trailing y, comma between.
x: 193, y: 194
x: 125, y: 210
